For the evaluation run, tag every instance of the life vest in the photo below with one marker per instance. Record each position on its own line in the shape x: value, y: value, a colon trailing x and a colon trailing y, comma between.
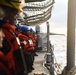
x: 3, y: 65
x: 11, y: 43
x: 28, y: 44
x: 23, y: 39
x: 33, y: 37
x: 11, y: 48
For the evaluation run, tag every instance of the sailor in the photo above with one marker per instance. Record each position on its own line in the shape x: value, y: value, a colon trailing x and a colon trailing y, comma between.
x: 33, y: 36
x: 25, y: 31
x: 29, y: 48
x: 4, y: 70
x: 10, y: 9
x: 1, y: 32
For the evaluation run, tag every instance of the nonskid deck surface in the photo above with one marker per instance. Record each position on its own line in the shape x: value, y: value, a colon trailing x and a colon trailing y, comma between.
x: 38, y: 65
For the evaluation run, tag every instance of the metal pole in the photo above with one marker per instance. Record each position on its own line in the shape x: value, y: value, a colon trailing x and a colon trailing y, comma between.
x: 71, y: 34
x: 48, y: 44
x: 49, y: 59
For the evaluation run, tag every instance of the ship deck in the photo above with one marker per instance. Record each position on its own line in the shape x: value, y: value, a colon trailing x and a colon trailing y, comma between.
x: 39, y: 67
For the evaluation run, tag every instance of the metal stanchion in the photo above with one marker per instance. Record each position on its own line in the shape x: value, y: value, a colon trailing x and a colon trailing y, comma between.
x: 49, y: 55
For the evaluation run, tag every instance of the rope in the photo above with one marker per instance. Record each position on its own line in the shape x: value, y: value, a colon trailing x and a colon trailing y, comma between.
x: 56, y: 65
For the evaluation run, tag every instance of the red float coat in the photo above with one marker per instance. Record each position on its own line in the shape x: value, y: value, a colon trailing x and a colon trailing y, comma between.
x: 8, y: 30
x: 25, y: 40
x: 33, y: 37
x: 4, y: 65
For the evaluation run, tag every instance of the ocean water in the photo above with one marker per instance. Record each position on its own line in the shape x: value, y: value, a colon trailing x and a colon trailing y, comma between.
x: 59, y: 43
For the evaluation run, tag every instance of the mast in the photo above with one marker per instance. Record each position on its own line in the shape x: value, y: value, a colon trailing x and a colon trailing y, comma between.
x: 71, y: 34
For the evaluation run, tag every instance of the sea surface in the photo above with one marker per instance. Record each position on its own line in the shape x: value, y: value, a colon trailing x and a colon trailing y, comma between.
x: 59, y: 42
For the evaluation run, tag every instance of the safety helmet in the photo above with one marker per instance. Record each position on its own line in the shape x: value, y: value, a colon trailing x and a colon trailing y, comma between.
x: 31, y: 30
x: 17, y: 4
x: 24, y: 28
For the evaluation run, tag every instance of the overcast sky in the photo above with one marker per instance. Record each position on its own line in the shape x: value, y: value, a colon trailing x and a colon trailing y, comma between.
x: 58, y: 19
x: 59, y: 13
